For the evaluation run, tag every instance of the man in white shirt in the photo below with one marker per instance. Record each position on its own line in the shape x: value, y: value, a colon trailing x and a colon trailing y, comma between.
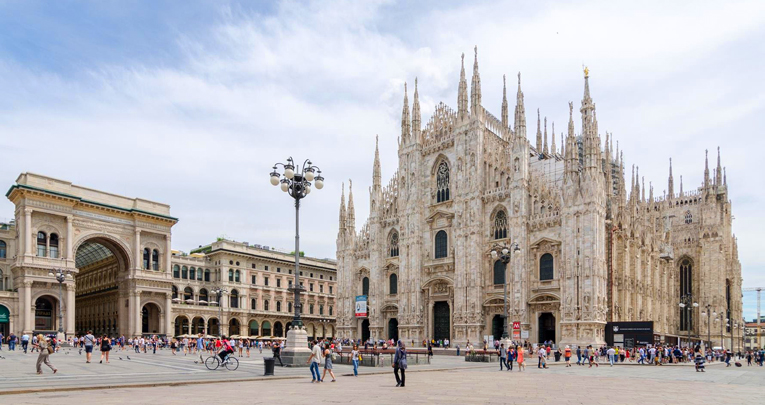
x: 542, y: 357
x: 611, y: 353
x: 315, y: 359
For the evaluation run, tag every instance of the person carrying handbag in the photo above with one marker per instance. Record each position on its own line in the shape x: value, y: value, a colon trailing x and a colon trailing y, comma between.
x: 45, y: 351
x: 399, y: 364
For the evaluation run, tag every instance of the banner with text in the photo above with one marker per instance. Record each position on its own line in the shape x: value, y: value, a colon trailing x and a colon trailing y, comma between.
x: 361, y: 306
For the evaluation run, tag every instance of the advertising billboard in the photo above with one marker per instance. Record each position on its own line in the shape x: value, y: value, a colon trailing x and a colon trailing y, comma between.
x: 361, y: 306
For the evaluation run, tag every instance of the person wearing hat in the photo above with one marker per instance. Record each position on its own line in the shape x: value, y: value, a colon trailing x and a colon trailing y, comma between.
x: 45, y: 350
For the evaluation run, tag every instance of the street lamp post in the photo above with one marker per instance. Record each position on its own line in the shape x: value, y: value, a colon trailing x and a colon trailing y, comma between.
x: 687, y: 303
x: 218, y: 291
x: 503, y: 253
x: 61, y: 275
x: 297, y: 183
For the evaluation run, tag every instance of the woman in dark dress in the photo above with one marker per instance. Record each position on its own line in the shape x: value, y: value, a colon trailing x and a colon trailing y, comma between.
x: 106, y: 347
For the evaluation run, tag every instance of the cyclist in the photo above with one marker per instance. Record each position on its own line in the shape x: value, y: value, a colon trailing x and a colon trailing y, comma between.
x: 226, y: 349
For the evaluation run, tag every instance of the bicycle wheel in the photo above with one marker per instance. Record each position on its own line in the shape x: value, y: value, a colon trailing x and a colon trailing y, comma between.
x: 232, y: 363
x: 212, y: 363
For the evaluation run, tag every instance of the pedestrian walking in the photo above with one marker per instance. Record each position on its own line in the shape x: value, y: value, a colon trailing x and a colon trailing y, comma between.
x: 510, y: 356
x: 399, y: 364
x: 45, y: 350
x: 277, y: 350
x: 328, y: 363
x: 611, y: 352
x: 106, y: 347
x: 593, y: 356
x: 502, y: 356
x: 567, y: 355
x: 314, y: 361
x: 355, y: 356
x: 699, y: 360
x: 520, y: 359
x: 25, y: 342
x: 89, y: 341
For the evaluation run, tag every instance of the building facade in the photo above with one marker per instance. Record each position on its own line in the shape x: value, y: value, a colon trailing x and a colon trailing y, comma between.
x: 593, y: 248
x: 127, y: 279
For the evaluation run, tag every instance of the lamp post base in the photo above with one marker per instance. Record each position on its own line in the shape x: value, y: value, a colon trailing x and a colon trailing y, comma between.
x: 296, y: 353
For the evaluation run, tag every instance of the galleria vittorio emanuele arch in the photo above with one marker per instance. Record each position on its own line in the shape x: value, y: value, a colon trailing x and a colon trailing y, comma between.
x: 128, y: 281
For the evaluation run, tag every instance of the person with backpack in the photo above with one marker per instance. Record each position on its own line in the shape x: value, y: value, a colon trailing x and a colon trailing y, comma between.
x: 399, y: 364
x: 226, y: 349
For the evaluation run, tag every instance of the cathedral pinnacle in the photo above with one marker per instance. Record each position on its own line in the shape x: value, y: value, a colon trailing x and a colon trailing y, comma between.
x: 351, y: 222
x: 462, y: 93
x: 718, y: 173
x: 475, y: 89
x: 504, y: 117
x: 545, y: 150
x: 405, y: 119
x: 671, y: 185
x: 520, y: 113
x: 706, y: 168
x: 342, y: 208
x: 539, y: 133
x: 377, y: 175
x: 552, y: 148
x: 416, y: 117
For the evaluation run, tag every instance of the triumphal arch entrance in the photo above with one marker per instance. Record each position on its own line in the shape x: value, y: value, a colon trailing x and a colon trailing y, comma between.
x: 116, y: 248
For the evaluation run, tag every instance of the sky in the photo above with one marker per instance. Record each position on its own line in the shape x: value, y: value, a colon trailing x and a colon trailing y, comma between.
x: 191, y: 103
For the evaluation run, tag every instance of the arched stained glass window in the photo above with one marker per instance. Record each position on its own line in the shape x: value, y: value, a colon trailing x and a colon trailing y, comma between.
x: 393, y: 244
x: 442, y: 182
x: 499, y: 272
x: 365, y: 286
x: 393, y: 281
x: 686, y: 288
x: 442, y: 245
x: 499, y: 226
x: 546, y: 267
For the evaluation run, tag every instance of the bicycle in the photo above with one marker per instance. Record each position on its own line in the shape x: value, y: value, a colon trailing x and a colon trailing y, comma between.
x: 213, y: 362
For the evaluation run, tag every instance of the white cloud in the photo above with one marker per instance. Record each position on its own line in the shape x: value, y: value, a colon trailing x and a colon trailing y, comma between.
x: 320, y: 79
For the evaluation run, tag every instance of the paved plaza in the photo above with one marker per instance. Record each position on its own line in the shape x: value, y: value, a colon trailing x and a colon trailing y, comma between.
x: 448, y: 379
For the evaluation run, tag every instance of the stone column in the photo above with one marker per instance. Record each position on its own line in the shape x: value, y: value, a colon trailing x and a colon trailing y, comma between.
x: 28, y: 232
x: 168, y: 255
x: 69, y: 239
x: 138, y: 253
x: 25, y: 307
x: 70, y: 309
x: 168, y: 324
x: 137, y: 314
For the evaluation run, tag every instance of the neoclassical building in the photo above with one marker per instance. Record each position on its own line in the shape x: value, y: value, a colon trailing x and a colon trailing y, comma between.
x: 127, y: 279
x: 595, y: 248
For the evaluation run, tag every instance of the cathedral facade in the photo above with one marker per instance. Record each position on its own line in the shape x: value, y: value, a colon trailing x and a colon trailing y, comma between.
x: 594, y: 249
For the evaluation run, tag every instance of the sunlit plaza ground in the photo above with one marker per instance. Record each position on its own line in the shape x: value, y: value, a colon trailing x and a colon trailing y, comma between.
x: 164, y: 378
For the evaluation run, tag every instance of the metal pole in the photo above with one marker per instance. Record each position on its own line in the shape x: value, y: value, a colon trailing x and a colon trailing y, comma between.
x: 709, y: 325
x: 220, y: 313
x: 60, y: 315
x: 297, y: 322
x: 505, y: 335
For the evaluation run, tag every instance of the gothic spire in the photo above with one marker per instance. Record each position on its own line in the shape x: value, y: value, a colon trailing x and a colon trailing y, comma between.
x: 504, y: 117
x: 642, y: 196
x: 475, y: 89
x: 552, y: 148
x: 462, y: 93
x: 520, y: 113
x: 342, y: 208
x: 706, y: 169
x: 405, y: 119
x: 725, y: 176
x: 681, y: 185
x: 539, y: 133
x: 351, y: 222
x: 416, y: 118
x: 718, y: 177
x: 546, y: 151
x: 376, y: 172
x: 671, y: 182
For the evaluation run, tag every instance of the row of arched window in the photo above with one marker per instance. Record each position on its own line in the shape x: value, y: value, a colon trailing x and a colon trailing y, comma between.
x: 192, y: 273
x: 392, y: 285
x: 546, y: 269
x: 203, y: 299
